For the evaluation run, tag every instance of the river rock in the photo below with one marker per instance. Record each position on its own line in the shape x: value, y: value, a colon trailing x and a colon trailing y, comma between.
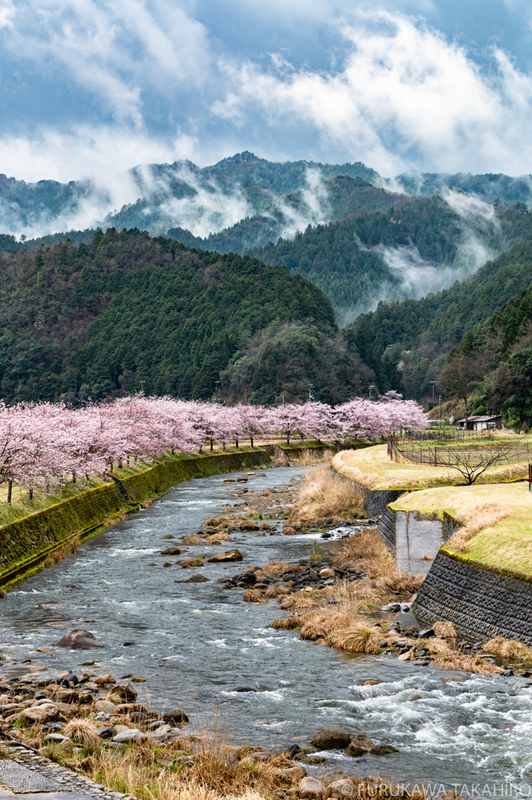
x: 131, y: 735
x: 383, y: 750
x: 327, y: 573
x: 106, y: 732
x: 103, y: 680
x: 162, y: 735
x: 341, y: 788
x: 197, y: 578
x: 171, y: 551
x: 176, y: 717
x: 66, y: 695
x: 105, y: 706
x: 311, y: 787
x: 331, y: 739
x: 128, y: 708
x: 55, y: 737
x: 40, y: 714
x: 227, y: 555
x: 290, y: 773
x: 124, y: 691
x: 79, y: 640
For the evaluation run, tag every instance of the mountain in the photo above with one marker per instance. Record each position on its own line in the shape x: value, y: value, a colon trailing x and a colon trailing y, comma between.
x: 490, y: 187
x: 156, y: 197
x: 127, y: 312
x: 406, y: 344
x: 406, y: 251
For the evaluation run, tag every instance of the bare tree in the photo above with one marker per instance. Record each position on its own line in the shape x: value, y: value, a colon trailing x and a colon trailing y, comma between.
x: 459, y: 375
x: 472, y: 462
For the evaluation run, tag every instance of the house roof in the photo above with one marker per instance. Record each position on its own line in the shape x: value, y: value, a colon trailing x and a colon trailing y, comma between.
x: 480, y: 418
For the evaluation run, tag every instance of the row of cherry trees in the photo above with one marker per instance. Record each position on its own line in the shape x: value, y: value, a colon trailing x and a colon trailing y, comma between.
x: 44, y: 444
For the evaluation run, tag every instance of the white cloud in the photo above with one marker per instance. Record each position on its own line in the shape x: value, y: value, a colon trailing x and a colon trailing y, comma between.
x: 405, y: 96
x: 117, y: 49
x: 7, y: 13
x: 87, y: 152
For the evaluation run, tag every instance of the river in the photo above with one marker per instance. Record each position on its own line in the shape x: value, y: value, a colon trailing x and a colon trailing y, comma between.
x: 199, y: 645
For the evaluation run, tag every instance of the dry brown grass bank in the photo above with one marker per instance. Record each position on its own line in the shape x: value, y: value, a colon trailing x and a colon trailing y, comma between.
x: 323, y: 493
x: 475, y: 515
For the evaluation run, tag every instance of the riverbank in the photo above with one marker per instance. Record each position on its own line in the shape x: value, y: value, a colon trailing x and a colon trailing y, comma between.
x: 90, y: 734
x: 33, y: 542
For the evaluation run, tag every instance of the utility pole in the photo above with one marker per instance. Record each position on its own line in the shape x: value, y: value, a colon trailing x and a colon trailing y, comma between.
x: 370, y: 388
x: 310, y: 388
x: 439, y: 401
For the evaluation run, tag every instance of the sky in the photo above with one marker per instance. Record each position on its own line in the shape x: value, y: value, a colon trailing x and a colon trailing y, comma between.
x: 90, y: 88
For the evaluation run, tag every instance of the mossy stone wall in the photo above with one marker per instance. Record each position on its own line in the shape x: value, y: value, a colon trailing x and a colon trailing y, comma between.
x: 28, y: 541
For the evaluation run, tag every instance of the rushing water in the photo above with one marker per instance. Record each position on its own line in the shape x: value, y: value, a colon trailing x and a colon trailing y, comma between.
x: 200, y: 645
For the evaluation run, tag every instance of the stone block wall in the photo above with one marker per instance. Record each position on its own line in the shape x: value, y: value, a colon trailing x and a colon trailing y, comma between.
x: 480, y: 600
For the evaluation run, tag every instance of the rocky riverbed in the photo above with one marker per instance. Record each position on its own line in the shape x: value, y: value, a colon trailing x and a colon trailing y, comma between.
x: 206, y: 650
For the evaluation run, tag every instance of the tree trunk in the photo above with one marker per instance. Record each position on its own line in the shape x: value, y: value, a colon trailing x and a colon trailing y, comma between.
x: 212, y: 444
x: 30, y: 493
x: 251, y: 440
x: 223, y: 445
x: 73, y: 476
x: 287, y: 438
x: 9, y: 492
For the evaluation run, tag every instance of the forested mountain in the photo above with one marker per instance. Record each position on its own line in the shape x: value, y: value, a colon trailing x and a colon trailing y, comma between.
x: 491, y: 187
x: 334, y: 199
x: 492, y: 366
x: 127, y: 312
x: 407, y: 343
x: 403, y: 252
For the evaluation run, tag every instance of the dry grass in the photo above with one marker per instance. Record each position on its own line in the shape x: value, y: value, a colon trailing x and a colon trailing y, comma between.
x: 509, y: 649
x: 323, y: 493
x: 467, y: 664
x: 360, y: 638
x: 72, y: 546
x: 273, y: 569
x: 445, y: 630
x: 437, y: 646
x: 82, y: 731
x: 287, y: 624
x: 475, y: 515
x: 276, y: 591
x: 367, y: 551
x: 254, y: 596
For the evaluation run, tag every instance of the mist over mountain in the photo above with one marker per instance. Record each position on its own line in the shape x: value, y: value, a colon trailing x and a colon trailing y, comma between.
x: 361, y: 238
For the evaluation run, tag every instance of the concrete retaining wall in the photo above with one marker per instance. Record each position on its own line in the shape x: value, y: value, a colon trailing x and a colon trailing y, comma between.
x: 482, y: 601
x: 412, y: 537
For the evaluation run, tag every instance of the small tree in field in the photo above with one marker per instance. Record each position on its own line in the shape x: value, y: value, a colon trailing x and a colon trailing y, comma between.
x: 471, y: 463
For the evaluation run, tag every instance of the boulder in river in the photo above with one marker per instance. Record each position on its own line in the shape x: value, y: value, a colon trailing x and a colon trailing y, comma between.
x: 124, y: 691
x: 197, y: 578
x: 171, y: 551
x: 79, y: 640
x: 228, y: 555
x: 175, y: 716
x: 331, y: 739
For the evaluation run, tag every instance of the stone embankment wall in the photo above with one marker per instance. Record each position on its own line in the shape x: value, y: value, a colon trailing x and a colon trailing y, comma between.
x: 28, y: 542
x: 481, y: 600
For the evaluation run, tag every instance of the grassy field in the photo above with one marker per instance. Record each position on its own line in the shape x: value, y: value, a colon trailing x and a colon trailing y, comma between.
x: 373, y: 468
x: 496, y: 520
